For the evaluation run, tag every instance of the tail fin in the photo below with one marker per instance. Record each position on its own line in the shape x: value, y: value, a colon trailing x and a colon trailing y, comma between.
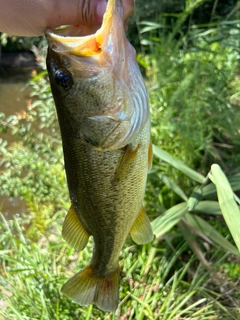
x: 87, y: 288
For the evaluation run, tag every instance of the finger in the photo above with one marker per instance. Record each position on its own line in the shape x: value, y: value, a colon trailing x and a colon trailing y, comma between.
x: 128, y: 6
x: 33, y: 17
x: 85, y: 12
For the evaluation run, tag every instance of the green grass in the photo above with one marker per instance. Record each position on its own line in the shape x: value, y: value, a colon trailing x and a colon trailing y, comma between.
x: 156, y: 281
x: 193, y: 82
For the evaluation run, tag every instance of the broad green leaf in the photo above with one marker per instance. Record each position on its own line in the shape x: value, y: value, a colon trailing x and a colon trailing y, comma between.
x: 165, y: 156
x: 173, y: 186
x: 209, y: 207
x: 204, y: 227
x: 195, y: 198
x: 209, y: 191
x: 170, y: 218
x: 228, y: 205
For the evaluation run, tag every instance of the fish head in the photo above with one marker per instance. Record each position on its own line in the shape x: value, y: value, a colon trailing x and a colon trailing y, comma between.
x: 97, y: 86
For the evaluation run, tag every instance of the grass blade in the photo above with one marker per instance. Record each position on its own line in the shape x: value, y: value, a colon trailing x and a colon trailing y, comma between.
x: 195, y: 197
x: 184, y: 299
x: 208, y: 207
x: 165, y: 222
x: 173, y: 186
x: 192, y: 242
x: 228, y: 205
x: 209, y: 191
x: 165, y: 156
x: 204, y: 227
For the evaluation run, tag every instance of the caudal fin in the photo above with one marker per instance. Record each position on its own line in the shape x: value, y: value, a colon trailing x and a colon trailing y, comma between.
x: 86, y: 288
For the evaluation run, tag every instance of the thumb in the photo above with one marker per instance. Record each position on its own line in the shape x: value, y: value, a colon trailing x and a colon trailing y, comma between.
x: 85, y: 12
x: 33, y: 17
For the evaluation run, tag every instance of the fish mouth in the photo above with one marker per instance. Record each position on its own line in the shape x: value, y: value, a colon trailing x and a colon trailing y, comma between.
x: 86, y: 41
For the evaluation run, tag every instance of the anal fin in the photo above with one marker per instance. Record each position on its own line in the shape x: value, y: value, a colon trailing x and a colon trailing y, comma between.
x: 141, y: 232
x: 87, y: 288
x: 73, y: 231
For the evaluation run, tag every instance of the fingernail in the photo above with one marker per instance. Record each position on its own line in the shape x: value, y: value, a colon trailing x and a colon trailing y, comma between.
x: 101, y: 9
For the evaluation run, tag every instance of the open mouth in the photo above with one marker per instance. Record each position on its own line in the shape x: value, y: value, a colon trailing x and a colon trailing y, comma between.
x: 82, y: 40
x: 88, y: 41
x: 74, y: 31
x: 75, y: 40
x: 80, y: 30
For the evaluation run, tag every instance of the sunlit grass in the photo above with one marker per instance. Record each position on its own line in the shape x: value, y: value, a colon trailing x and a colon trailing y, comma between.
x: 155, y: 281
x: 193, y: 83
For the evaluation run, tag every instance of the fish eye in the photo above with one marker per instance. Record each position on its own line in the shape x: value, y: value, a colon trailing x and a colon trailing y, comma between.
x: 63, y: 79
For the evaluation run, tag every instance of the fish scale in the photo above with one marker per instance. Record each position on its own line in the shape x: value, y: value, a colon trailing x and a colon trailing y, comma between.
x: 103, y: 113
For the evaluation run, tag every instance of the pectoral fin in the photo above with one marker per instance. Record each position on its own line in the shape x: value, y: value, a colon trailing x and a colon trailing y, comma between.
x: 73, y: 231
x: 141, y: 232
x: 130, y: 154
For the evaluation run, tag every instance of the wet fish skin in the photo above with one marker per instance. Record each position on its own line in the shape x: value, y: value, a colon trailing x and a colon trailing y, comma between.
x: 103, y: 113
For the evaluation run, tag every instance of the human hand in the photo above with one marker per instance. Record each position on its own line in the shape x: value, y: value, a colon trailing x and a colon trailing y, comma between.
x: 33, y: 17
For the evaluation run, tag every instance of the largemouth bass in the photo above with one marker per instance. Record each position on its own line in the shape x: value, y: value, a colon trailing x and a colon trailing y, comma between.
x: 103, y: 112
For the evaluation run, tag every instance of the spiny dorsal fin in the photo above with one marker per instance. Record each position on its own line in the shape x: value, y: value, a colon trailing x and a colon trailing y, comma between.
x: 73, y: 231
x: 141, y: 232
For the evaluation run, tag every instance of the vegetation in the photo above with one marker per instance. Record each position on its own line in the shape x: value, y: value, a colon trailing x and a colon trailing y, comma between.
x: 191, y: 270
x: 35, y: 267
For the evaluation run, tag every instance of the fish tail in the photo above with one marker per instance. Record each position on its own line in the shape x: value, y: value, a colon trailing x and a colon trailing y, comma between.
x: 87, y: 288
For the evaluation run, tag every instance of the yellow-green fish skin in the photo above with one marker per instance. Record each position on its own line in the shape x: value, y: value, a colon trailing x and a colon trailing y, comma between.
x: 103, y: 112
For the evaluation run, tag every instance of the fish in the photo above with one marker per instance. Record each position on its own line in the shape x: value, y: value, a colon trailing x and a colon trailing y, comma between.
x: 103, y: 112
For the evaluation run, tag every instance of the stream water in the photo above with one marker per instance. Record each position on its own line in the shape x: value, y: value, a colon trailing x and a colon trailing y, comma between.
x: 14, y: 94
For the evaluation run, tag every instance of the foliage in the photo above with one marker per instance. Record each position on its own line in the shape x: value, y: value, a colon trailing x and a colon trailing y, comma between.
x: 192, y: 225
x: 192, y: 75
x: 193, y: 84
x: 14, y: 43
x: 33, y: 270
x: 193, y: 93
x: 33, y: 165
x: 178, y: 15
